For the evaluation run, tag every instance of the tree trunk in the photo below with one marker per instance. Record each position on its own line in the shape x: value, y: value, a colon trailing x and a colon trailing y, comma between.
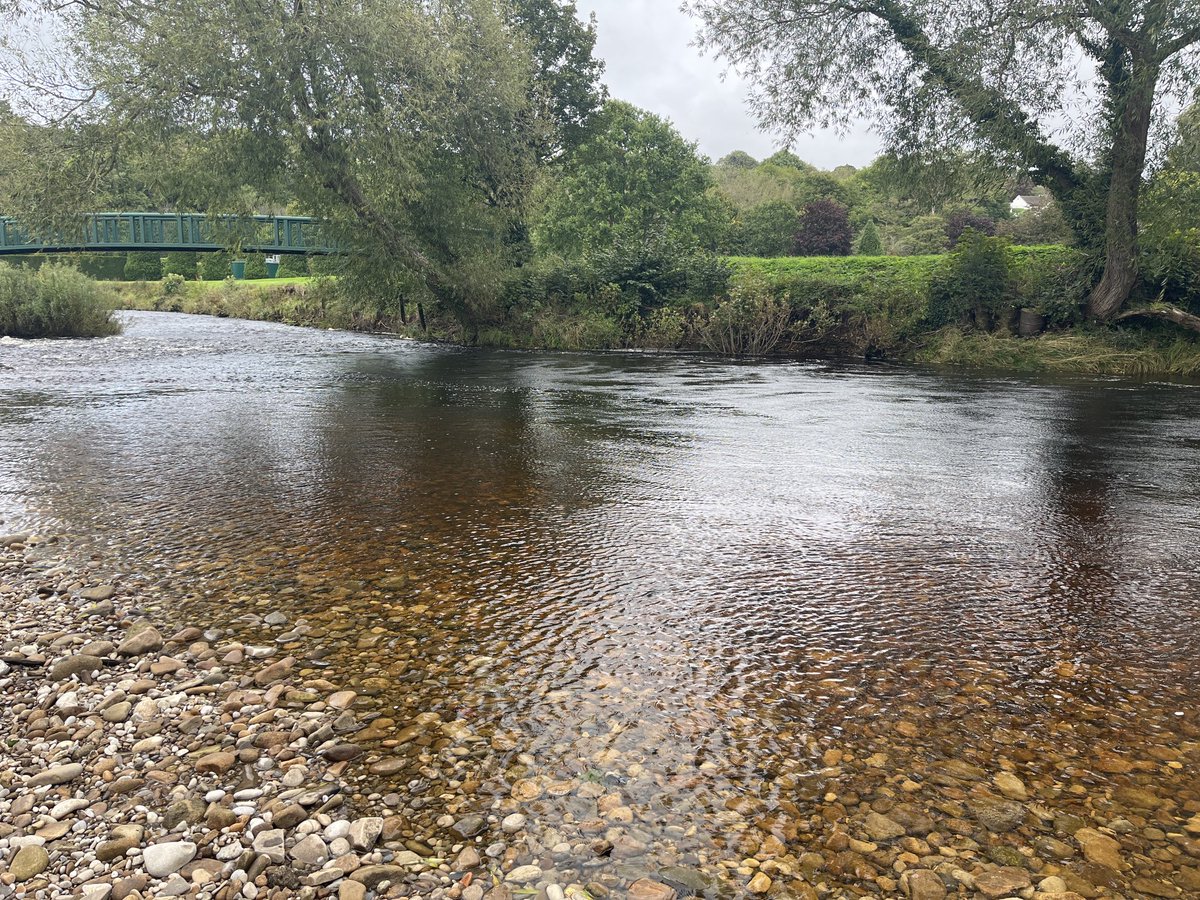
x: 1133, y: 103
x: 1166, y: 313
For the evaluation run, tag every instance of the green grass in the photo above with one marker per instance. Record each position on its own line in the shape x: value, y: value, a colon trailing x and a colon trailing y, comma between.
x: 54, y: 302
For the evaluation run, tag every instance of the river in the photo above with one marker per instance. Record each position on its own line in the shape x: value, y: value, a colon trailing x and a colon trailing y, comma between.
x: 751, y: 598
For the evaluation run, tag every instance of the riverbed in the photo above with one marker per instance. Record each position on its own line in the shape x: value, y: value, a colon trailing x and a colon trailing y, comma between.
x: 715, y: 615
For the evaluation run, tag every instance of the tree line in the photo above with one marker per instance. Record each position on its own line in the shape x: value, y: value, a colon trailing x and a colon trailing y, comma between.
x: 469, y: 153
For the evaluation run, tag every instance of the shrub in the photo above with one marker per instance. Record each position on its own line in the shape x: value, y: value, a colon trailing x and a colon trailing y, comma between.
x: 768, y: 229
x: 54, y: 301
x: 180, y: 263
x: 214, y: 266
x: 923, y: 236
x: 869, y: 242
x: 143, y: 267
x: 824, y: 230
x: 752, y: 321
x: 256, y: 266
x: 293, y: 266
x: 974, y: 280
x: 962, y: 219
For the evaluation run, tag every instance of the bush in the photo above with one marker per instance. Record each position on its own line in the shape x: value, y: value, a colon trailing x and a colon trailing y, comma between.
x: 143, y: 267
x: 256, y: 266
x: 752, y: 321
x: 961, y: 220
x: 180, y: 263
x: 824, y: 230
x: 768, y: 229
x: 54, y: 301
x: 974, y: 280
x: 293, y: 266
x: 869, y: 242
x: 214, y: 266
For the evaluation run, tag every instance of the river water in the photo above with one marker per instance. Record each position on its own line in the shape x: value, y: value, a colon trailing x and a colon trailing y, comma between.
x: 751, y: 599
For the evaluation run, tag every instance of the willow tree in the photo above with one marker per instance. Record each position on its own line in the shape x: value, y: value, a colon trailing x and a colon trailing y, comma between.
x: 1068, y: 90
x: 412, y: 127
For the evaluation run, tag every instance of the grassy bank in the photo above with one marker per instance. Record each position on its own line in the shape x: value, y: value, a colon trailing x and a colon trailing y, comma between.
x: 54, y: 302
x: 906, y: 309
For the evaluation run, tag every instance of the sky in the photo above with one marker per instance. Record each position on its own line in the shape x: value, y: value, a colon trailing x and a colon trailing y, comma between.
x: 646, y: 45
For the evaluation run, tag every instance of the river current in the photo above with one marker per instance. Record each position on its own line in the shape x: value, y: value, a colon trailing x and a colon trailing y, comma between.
x: 753, y: 599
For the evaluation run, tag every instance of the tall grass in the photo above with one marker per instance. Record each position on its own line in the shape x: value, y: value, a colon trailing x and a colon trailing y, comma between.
x: 54, y: 302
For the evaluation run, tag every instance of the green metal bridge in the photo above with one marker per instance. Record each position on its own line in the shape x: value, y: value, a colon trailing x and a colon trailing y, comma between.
x: 169, y: 232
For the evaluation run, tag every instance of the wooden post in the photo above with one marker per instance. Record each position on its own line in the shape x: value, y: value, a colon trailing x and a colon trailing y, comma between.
x: 421, y: 314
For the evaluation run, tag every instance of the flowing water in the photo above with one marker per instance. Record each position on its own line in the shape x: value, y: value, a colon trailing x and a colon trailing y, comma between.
x: 749, y: 599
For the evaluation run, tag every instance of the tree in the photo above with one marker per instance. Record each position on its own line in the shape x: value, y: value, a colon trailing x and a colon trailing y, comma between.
x: 960, y: 220
x: 633, y: 182
x: 869, y: 243
x: 933, y: 72
x: 565, y: 89
x: 409, y: 127
x: 767, y: 230
x: 824, y: 230
x: 738, y: 159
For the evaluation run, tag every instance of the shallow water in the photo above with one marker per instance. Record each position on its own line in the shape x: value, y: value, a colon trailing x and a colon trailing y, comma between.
x: 682, y: 578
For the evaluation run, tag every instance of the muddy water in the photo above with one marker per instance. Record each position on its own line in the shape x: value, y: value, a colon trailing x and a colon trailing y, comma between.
x: 713, y: 613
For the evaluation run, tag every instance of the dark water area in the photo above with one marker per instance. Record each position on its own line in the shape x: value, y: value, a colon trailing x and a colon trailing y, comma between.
x: 700, y: 575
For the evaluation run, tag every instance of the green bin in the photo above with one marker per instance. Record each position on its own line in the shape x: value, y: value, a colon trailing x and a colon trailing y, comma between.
x: 238, y: 268
x: 272, y: 269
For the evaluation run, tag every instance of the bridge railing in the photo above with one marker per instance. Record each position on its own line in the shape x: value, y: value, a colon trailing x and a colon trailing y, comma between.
x: 174, y: 231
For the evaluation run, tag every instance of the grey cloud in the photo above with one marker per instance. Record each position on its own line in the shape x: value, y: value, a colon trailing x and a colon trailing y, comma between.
x: 651, y: 63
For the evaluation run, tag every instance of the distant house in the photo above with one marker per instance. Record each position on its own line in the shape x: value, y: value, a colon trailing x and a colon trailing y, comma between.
x: 1023, y: 203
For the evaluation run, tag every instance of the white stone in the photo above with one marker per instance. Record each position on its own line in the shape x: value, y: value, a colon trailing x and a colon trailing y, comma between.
x: 161, y: 860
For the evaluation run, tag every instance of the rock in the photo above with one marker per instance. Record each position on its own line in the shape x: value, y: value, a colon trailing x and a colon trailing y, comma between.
x: 524, y: 874
x: 1100, y: 849
x: 922, y: 884
x: 759, y: 884
x: 124, y: 838
x: 881, y: 828
x: 56, y: 775
x: 645, y: 889
x: 274, y: 672
x: 216, y: 763
x: 364, y: 833
x: 998, y: 816
x: 289, y: 816
x: 371, y: 876
x: 352, y: 890
x: 270, y: 844
x: 342, y: 699
x: 184, y: 811
x: 691, y: 881
x: 1010, y: 786
x: 310, y: 852
x: 512, y: 824
x: 30, y: 861
x: 342, y: 752
x: 467, y: 859
x: 78, y: 666
x: 118, y: 712
x: 1002, y: 882
x: 145, y: 640
x: 1137, y: 798
x: 98, y: 593
x: 1151, y: 888
x: 468, y: 826
x: 161, y: 860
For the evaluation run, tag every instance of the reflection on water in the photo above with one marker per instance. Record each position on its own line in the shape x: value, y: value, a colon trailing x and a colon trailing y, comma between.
x: 697, y: 574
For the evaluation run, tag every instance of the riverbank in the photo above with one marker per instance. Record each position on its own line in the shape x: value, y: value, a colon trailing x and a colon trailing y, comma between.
x: 851, y: 308
x: 146, y: 760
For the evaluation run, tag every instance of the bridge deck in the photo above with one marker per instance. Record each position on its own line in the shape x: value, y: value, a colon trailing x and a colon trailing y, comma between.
x: 167, y: 232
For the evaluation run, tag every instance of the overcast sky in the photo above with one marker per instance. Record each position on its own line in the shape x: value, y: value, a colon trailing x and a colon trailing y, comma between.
x: 651, y: 63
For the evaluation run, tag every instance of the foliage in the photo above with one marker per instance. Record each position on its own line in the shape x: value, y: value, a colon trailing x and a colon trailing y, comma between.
x: 925, y: 235
x: 213, y: 266
x: 1171, y: 237
x: 824, y: 230
x: 960, y: 220
x: 738, y: 159
x: 54, y: 301
x: 974, y: 280
x: 766, y: 230
x: 751, y: 321
x: 142, y: 266
x: 292, y: 265
x: 1038, y: 226
x: 869, y: 242
x: 565, y: 91
x: 933, y: 74
x: 634, y: 182
x: 180, y: 263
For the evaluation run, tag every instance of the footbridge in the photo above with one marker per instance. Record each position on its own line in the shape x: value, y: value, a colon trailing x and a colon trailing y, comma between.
x: 172, y: 232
